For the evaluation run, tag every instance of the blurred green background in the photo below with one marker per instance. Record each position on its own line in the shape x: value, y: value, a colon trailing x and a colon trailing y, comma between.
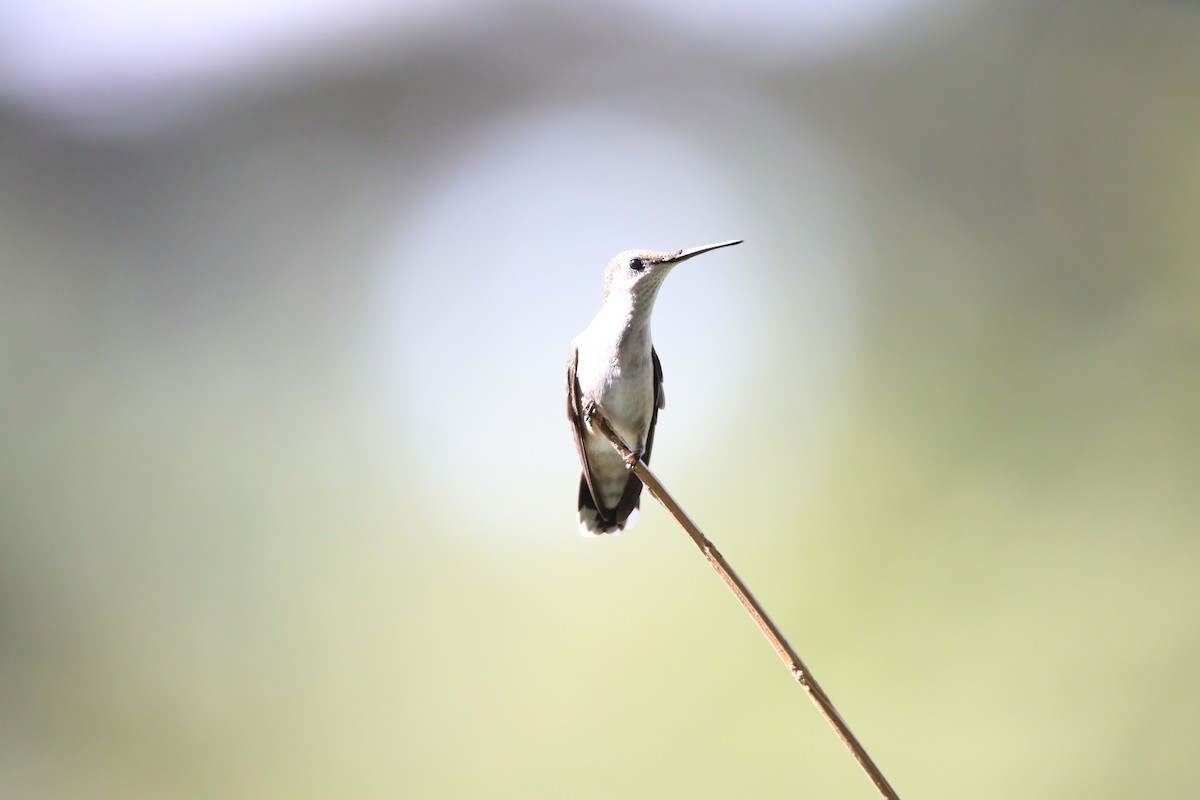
x: 286, y: 488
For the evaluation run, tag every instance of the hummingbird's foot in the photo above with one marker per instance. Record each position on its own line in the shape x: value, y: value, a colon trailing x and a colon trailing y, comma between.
x: 633, y: 458
x: 590, y: 409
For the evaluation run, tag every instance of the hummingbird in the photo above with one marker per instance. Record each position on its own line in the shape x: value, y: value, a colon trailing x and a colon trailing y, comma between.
x: 614, y: 369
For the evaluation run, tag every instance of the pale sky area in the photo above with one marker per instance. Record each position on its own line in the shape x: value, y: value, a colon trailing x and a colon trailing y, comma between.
x: 116, y: 67
x: 57, y: 53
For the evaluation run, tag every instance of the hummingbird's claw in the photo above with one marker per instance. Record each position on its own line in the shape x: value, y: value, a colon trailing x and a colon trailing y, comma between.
x: 590, y: 409
x: 633, y: 458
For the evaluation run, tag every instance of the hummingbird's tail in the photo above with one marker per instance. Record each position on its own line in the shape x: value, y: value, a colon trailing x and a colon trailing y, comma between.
x: 596, y: 522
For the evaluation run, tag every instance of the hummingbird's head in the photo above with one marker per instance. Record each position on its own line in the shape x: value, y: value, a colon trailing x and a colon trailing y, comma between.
x: 639, y: 273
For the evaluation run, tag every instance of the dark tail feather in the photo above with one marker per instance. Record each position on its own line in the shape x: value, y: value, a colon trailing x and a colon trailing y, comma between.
x: 596, y: 522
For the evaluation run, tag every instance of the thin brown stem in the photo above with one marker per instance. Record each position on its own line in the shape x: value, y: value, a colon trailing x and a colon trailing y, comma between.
x: 799, y: 671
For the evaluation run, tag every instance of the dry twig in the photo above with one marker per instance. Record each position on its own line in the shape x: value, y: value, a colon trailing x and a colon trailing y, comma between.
x: 784, y: 650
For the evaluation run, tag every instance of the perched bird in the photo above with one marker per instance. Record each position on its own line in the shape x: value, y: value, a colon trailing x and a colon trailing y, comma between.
x: 613, y: 366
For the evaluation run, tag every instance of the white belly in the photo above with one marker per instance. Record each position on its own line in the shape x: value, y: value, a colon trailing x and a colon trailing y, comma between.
x: 624, y: 390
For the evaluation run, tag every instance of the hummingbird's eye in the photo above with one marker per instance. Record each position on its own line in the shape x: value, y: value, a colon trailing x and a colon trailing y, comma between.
x: 636, y: 264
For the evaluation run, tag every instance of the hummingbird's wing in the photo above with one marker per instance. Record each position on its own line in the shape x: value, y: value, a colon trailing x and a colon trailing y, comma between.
x: 575, y: 415
x: 660, y: 401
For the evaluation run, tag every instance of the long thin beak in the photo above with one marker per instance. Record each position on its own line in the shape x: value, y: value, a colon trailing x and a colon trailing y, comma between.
x: 684, y: 255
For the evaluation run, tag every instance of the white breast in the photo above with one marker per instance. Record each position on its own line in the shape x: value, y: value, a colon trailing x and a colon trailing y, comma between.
x: 619, y: 376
